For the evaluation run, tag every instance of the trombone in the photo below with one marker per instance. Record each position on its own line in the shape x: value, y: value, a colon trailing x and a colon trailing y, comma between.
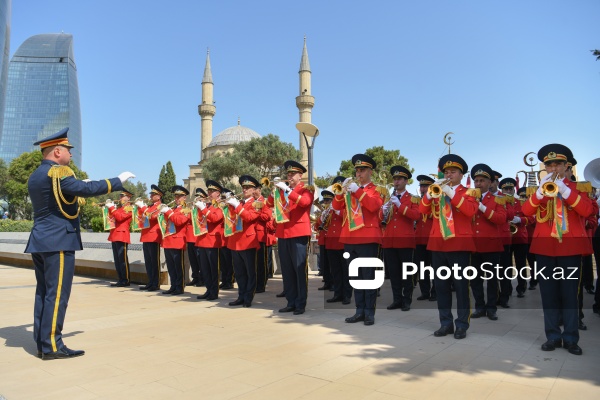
x: 435, y: 189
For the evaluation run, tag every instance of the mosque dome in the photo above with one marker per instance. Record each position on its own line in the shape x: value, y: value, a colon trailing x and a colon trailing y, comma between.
x: 232, y: 135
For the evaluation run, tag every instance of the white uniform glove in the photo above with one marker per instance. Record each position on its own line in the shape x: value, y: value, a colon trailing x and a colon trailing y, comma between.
x: 337, y: 212
x: 563, y: 189
x: 235, y: 202
x: 124, y: 176
x: 163, y: 208
x: 538, y: 192
x: 139, y: 203
x: 283, y: 186
x: 345, y: 183
x: 353, y: 187
x: 395, y: 201
x: 516, y: 220
x: 386, y: 207
x: 428, y: 195
x: 448, y: 191
x: 201, y: 205
x: 482, y: 207
x: 109, y: 203
x: 86, y: 180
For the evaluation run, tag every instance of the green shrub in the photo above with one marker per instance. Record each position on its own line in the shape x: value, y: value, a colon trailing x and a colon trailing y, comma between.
x: 22, y: 225
x: 97, y: 224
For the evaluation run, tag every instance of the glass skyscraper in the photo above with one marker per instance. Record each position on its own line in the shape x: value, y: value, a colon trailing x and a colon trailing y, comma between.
x: 4, y: 52
x: 42, y: 96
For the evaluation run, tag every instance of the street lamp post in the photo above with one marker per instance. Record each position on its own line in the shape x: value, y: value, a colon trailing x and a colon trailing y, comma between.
x: 309, y: 130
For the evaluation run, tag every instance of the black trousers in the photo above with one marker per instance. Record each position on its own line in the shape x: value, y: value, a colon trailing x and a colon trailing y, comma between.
x: 194, y: 261
x: 365, y: 299
x: 492, y: 284
x: 175, y: 266
x: 505, y: 284
x: 421, y: 254
x: 531, y: 262
x: 293, y: 254
x: 339, y: 273
x: 226, y: 266
x: 519, y: 252
x: 596, y: 245
x: 559, y: 296
x: 402, y: 289
x: 261, y: 268
x: 325, y: 267
x: 244, y: 265
x: 121, y: 261
x: 152, y: 262
x: 587, y: 272
x: 269, y: 261
x: 461, y: 286
x: 209, y: 263
x: 54, y: 277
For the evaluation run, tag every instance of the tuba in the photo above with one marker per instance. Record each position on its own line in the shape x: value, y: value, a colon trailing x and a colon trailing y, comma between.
x: 591, y: 173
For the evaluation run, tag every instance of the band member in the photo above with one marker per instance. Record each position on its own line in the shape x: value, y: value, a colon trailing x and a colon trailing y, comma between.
x: 495, y: 183
x: 292, y: 203
x: 451, y: 241
x: 265, y: 215
x: 210, y: 244
x: 361, y: 202
x: 174, y: 244
x: 244, y: 243
x: 271, y: 228
x: 399, y: 215
x: 522, y: 192
x: 558, y: 242
x: 488, y: 245
x: 55, y: 237
x: 225, y: 258
x: 120, y: 237
x: 518, y: 229
x: 342, y: 291
x: 321, y: 235
x: 151, y: 238
x: 197, y: 277
x: 505, y: 285
x: 421, y: 254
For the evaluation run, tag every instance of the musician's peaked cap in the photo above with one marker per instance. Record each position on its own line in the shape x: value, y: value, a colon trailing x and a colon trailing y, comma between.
x: 294, y: 166
x: 425, y: 180
x: 555, y: 152
x: 571, y: 162
x: 214, y: 185
x: 126, y: 193
x: 58, y: 139
x: 201, y: 192
x: 247, y: 180
x: 155, y: 189
x: 338, y: 179
x: 496, y: 175
x: 507, y: 183
x: 363, y: 161
x: 522, y: 190
x: 326, y: 194
x: 453, y: 161
x: 179, y: 190
x: 482, y: 170
x: 400, y: 172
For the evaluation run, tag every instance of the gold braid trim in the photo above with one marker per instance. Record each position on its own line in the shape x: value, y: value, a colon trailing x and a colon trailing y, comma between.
x: 476, y: 192
x: 310, y: 188
x: 584, y: 187
x: 56, y: 173
x: 549, y: 212
x: 415, y: 200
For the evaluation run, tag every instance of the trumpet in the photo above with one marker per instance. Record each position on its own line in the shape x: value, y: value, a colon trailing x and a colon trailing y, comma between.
x: 435, y: 189
x: 115, y: 202
x: 339, y: 188
x: 160, y: 206
x: 550, y: 188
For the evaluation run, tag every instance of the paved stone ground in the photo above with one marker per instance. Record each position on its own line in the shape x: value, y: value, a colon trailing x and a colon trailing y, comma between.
x: 144, y: 345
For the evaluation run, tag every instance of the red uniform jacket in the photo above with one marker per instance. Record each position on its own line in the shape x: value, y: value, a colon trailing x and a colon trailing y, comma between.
x: 151, y: 234
x: 320, y: 234
x: 522, y: 235
x: 575, y: 241
x: 265, y: 214
x: 300, y: 201
x: 122, y: 216
x: 423, y: 228
x: 214, y: 238
x: 486, y: 225
x: 464, y: 206
x: 334, y: 230
x: 504, y: 229
x: 399, y: 233
x: 271, y: 229
x: 246, y: 239
x: 370, y: 202
x: 180, y: 219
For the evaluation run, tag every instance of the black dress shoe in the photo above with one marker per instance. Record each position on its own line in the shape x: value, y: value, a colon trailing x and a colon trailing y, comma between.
x: 504, y: 305
x: 299, y: 311
x: 123, y: 284
x: 478, y: 314
x: 260, y: 291
x: 282, y: 294
x: 39, y: 354
x: 168, y: 291
x: 65, y: 352
x: 334, y: 299
x: 346, y: 300
x: 287, y: 309
x: 492, y: 315
x: 177, y: 292
x: 152, y: 289
x: 369, y: 320
x: 422, y: 297
x: 226, y: 287
x: 115, y: 284
x: 238, y: 302
x: 532, y: 287
x: 355, y: 318
x: 551, y: 344
x: 405, y: 308
x: 247, y: 304
x: 460, y: 333
x: 324, y: 287
x: 582, y: 326
x: 211, y: 298
x: 433, y: 298
x: 394, y: 305
x: 145, y: 287
x: 444, y: 330
x: 520, y: 295
x: 193, y: 282
x: 203, y: 296
x: 573, y: 348
x: 200, y: 284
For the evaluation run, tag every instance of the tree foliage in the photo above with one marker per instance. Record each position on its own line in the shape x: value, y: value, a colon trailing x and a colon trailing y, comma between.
x: 166, y: 180
x: 385, y: 159
x: 15, y: 188
x: 324, y: 181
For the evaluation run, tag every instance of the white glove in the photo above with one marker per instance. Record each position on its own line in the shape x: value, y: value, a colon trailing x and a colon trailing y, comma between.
x: 283, y: 186
x: 395, y: 201
x: 516, y: 220
x: 448, y: 191
x: 563, y: 189
x: 545, y: 179
x: 337, y: 212
x: 386, y: 207
x: 139, y: 203
x: 428, y: 195
x: 124, y: 176
x: 234, y: 202
x: 163, y: 208
x: 345, y: 183
x: 86, y: 180
x: 353, y: 187
x: 482, y: 207
x: 109, y: 203
x: 200, y: 205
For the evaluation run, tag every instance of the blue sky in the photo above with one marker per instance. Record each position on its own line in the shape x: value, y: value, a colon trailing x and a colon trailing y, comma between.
x: 505, y: 76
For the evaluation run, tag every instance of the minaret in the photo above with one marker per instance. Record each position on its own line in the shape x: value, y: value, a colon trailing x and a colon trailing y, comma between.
x: 207, y: 109
x: 305, y: 101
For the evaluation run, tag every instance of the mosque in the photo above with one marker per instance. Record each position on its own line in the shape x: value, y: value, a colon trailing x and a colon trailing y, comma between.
x: 223, y: 142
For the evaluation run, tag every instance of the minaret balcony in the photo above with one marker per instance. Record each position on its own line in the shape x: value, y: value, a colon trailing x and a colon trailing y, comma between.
x: 305, y: 101
x: 207, y: 109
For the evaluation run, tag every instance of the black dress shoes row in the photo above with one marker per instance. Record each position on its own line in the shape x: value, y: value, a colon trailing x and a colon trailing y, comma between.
x: 287, y: 309
x: 551, y: 344
x: 325, y: 287
x: 247, y: 304
x: 64, y: 352
x: 444, y: 330
x: 168, y: 291
x: 423, y: 297
x: 346, y: 300
x: 238, y: 302
x: 492, y: 315
x: 355, y: 318
x: 299, y: 311
x: 478, y: 314
x: 203, y: 296
x: 503, y: 305
x: 369, y: 320
x: 573, y: 348
x: 334, y: 299
x: 394, y: 305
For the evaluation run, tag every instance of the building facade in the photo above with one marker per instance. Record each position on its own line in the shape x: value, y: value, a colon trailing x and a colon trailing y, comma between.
x: 42, y: 96
x: 5, y: 12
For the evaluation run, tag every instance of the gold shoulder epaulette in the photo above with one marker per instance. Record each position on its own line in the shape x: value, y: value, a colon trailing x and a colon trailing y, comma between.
x: 311, y: 188
x: 584, y: 186
x: 258, y: 205
x: 128, y: 208
x: 186, y: 211
x: 531, y: 190
x: 383, y: 192
x: 474, y: 193
x: 415, y: 199
x: 60, y: 171
x: 500, y: 200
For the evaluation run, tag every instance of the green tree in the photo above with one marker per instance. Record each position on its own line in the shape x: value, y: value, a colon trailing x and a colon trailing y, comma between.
x: 166, y: 180
x: 138, y: 189
x: 324, y: 181
x: 15, y: 188
x: 596, y: 53
x: 385, y: 159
